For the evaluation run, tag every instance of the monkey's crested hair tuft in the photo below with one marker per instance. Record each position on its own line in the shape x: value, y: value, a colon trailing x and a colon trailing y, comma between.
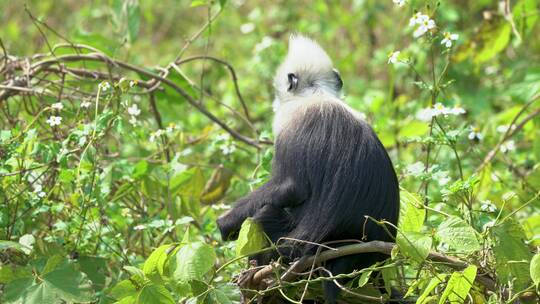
x: 305, y: 53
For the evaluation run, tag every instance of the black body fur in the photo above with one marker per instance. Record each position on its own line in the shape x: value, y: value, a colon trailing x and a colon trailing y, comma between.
x: 330, y: 171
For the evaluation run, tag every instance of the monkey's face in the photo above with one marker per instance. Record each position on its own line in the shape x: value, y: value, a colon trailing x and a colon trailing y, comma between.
x: 307, y: 70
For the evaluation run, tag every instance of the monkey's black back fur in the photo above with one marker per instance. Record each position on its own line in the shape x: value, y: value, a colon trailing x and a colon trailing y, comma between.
x: 330, y: 171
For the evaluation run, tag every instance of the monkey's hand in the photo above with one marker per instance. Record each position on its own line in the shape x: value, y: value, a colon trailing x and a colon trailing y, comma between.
x: 228, y: 226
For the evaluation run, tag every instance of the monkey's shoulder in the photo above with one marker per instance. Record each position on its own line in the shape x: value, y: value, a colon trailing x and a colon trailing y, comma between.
x: 316, y: 112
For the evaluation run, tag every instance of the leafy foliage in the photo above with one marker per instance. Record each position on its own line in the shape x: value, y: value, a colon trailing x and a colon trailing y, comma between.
x: 127, y: 127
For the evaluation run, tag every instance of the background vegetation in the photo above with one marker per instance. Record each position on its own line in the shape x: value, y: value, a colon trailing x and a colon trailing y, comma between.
x: 127, y: 127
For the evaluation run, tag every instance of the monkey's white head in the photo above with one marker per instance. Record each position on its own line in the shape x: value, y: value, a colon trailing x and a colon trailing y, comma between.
x: 306, y: 71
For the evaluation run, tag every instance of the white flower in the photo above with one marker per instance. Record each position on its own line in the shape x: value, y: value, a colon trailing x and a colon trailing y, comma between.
x: 418, y: 18
x: 134, y: 110
x: 54, y: 120
x: 425, y: 114
x: 57, y: 106
x: 415, y: 169
x: 156, y: 134
x: 38, y: 189
x: 488, y: 206
x: 399, y: 3
x: 457, y: 110
x: 424, y: 27
x: 508, y: 146
x: 139, y: 227
x: 448, y: 38
x: 265, y: 43
x: 104, y: 86
x: 504, y: 128
x: 475, y: 134
x: 441, y: 177
x: 444, y: 247
x: 223, y: 137
x: 170, y: 128
x: 133, y: 120
x: 393, y: 57
x: 439, y: 109
x: 247, y: 28
x: 86, y: 104
x: 132, y: 83
x: 227, y: 149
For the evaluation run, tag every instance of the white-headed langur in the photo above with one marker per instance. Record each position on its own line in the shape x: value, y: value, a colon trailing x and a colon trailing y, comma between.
x: 329, y: 172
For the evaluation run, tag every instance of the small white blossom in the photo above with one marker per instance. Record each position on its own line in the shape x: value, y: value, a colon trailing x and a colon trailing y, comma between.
x: 504, y: 128
x: 86, y: 104
x: 38, y: 190
x: 104, y: 86
x: 132, y: 83
x: 265, y: 43
x: 441, y: 177
x: 399, y: 3
x: 439, y: 109
x: 488, y: 225
x: 156, y: 134
x: 223, y: 137
x: 139, y: 227
x: 170, y: 128
x: 475, y: 134
x: 488, y: 206
x: 448, y: 38
x: 418, y: 18
x: 393, y: 57
x: 54, y: 120
x: 247, y: 28
x: 133, y: 120
x: 444, y: 247
x: 424, y: 27
x: 508, y: 146
x: 227, y: 149
x: 415, y: 169
x: 134, y: 110
x: 57, y: 106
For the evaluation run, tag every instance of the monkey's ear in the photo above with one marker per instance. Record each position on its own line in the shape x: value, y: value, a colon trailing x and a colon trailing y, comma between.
x: 338, y: 79
x: 293, y: 82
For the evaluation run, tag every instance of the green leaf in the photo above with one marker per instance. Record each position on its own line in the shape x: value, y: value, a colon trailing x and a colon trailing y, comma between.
x: 535, y: 269
x: 155, y: 263
x: 495, y: 42
x: 415, y: 245
x: 364, y: 278
x: 69, y: 284
x: 123, y: 289
x: 193, y: 261
x: 434, y: 282
x: 154, y: 294
x: 133, y: 19
x: 53, y: 263
x: 523, y: 17
x: 459, y: 285
x: 15, y: 291
x: 224, y: 294
x: 251, y: 238
x: 39, y: 294
x: 512, y: 255
x: 458, y: 235
x: 10, y: 273
x: 12, y: 245
x: 411, y: 211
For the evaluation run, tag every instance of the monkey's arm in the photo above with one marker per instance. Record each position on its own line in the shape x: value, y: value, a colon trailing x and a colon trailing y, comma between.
x: 276, y: 194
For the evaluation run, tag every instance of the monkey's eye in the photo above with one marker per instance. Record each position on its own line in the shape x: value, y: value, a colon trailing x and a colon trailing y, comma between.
x: 293, y: 82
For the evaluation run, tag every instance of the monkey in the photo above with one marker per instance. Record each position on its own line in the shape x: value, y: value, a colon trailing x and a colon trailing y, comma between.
x: 330, y: 172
